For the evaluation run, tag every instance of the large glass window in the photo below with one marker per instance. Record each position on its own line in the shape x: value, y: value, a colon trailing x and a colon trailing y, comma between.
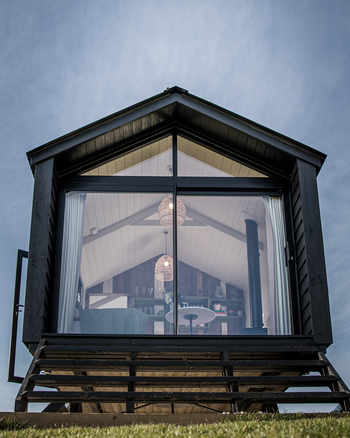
x: 118, y: 267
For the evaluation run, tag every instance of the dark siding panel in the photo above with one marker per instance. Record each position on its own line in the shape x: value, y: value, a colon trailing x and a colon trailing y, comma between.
x: 307, y: 327
x: 301, y: 255
x: 304, y: 287
x: 300, y: 247
x: 302, y: 268
x: 296, y: 202
x: 37, y: 312
x: 297, y: 216
x: 306, y: 312
x: 299, y: 232
x: 304, y: 300
x: 314, y: 302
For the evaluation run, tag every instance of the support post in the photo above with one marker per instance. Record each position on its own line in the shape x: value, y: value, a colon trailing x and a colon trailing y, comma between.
x: 131, y: 385
x: 237, y: 405
x: 254, y: 280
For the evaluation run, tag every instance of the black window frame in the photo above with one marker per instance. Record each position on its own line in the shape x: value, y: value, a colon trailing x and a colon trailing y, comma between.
x: 201, y: 186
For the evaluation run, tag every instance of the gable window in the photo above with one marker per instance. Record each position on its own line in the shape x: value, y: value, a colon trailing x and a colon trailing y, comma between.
x: 196, y: 160
x: 154, y: 159
x: 132, y: 263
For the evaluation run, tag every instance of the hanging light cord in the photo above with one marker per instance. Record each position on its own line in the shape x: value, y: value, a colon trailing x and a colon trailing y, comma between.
x: 165, y: 241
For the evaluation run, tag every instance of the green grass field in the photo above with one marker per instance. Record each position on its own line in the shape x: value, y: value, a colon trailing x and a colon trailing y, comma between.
x: 257, y: 425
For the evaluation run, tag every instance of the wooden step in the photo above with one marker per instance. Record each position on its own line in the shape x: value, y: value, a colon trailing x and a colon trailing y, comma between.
x: 55, y: 380
x: 181, y: 397
x: 177, y: 365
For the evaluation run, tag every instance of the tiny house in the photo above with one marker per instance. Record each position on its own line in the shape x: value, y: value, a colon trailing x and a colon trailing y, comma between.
x: 176, y: 263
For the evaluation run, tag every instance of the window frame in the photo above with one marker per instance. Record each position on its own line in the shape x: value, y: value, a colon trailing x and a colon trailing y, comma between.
x: 182, y: 186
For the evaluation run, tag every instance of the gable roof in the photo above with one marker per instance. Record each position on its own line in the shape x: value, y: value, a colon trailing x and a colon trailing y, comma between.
x: 215, y: 127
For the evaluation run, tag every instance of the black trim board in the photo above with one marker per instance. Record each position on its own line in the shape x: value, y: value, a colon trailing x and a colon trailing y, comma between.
x: 41, y: 252
x: 310, y: 254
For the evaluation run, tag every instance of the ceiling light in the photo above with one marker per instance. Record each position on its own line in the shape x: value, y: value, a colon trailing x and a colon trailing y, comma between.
x: 165, y: 212
x: 164, y: 266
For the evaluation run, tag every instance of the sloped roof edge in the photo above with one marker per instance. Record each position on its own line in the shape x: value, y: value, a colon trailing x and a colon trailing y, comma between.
x: 168, y: 96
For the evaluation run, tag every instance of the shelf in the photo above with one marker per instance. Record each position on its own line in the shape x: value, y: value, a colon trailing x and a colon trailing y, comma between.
x: 148, y: 302
x: 228, y: 302
x: 196, y: 300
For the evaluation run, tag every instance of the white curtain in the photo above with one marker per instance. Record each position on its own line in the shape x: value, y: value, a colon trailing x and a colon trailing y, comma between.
x: 278, y: 283
x: 71, y: 257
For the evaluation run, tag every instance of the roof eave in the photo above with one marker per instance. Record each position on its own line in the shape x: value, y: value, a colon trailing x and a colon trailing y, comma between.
x: 168, y: 96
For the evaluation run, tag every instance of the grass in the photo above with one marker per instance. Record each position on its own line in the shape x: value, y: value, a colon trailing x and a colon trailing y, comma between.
x: 257, y: 425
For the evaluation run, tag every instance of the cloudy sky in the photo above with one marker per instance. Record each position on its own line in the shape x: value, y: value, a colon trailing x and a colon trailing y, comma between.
x: 284, y: 64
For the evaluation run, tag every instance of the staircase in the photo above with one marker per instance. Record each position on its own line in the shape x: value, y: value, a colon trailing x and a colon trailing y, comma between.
x: 122, y: 375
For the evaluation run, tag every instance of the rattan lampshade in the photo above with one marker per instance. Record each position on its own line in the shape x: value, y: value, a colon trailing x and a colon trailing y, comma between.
x: 164, y: 268
x: 165, y: 212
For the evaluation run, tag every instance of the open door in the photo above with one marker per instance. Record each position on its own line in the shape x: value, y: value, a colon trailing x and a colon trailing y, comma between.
x: 15, y: 317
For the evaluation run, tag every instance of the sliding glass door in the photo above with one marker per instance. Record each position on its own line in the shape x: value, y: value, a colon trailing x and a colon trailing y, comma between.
x: 119, y: 264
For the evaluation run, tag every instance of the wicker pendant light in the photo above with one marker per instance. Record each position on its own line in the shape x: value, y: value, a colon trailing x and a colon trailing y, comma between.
x: 164, y: 266
x: 165, y: 212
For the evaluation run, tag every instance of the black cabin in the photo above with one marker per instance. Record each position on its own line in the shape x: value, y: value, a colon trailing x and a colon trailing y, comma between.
x: 220, y: 303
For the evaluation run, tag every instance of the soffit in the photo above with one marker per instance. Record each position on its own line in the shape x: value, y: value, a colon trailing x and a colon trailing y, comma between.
x: 214, y: 127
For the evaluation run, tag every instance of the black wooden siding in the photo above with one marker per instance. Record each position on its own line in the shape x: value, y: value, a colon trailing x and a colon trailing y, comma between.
x: 38, y: 302
x: 311, y: 269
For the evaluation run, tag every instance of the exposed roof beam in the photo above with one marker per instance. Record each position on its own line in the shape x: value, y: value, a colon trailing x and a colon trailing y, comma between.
x: 121, y: 224
x: 156, y: 223
x: 220, y: 227
x: 138, y: 220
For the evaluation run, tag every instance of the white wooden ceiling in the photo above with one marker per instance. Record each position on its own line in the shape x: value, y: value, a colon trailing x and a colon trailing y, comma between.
x: 155, y: 160
x: 215, y: 246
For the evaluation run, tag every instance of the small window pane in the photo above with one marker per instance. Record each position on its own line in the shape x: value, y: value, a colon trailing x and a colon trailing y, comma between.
x: 154, y: 159
x: 196, y: 160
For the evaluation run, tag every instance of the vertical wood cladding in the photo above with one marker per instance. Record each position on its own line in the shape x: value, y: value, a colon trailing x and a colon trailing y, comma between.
x: 311, y: 269
x: 38, y: 308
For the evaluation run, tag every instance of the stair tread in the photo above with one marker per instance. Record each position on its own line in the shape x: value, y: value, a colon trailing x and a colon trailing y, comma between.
x: 92, y: 396
x: 69, y: 380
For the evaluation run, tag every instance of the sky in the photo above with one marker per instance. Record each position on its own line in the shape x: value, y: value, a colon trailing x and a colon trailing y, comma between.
x: 284, y: 64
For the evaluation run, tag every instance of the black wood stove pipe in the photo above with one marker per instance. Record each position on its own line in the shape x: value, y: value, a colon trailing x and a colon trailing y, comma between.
x: 254, y: 274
